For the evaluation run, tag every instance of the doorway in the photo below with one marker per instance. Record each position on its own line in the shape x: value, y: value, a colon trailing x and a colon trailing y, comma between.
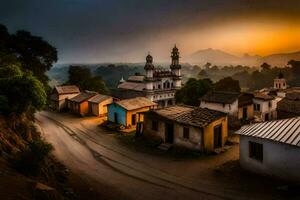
x: 133, y: 119
x: 218, y: 136
x: 266, y: 116
x: 116, y: 118
x: 245, y: 115
x: 169, y: 133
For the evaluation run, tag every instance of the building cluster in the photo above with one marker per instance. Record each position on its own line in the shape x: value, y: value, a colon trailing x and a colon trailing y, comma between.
x: 270, y: 133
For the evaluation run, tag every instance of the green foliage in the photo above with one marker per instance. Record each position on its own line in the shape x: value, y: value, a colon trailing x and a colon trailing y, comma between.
x: 82, y: 77
x: 23, y: 92
x: 227, y: 84
x: 191, y: 92
x: 31, y: 159
x: 29, y: 52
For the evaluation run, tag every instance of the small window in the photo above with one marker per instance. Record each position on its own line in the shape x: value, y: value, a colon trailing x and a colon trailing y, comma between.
x: 158, y: 86
x: 186, y: 133
x: 154, y: 125
x: 270, y: 104
x: 256, y: 151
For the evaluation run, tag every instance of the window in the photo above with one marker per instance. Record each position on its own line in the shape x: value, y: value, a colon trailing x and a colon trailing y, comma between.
x: 270, y: 104
x: 154, y: 125
x: 256, y: 151
x: 158, y: 86
x: 257, y: 107
x: 186, y: 133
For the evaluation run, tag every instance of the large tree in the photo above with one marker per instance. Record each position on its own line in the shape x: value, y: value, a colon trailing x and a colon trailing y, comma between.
x: 82, y: 77
x: 32, y: 52
x: 227, y: 84
x: 191, y: 92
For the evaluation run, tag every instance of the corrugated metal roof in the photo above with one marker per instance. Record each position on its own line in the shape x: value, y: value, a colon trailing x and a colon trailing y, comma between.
x: 135, y: 103
x: 132, y: 86
x: 67, y: 89
x: 99, y: 98
x: 284, y: 131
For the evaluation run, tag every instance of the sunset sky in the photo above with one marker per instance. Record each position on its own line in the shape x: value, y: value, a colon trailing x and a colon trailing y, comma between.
x: 125, y: 30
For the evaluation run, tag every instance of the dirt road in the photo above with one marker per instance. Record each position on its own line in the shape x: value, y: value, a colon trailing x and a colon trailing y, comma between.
x: 118, y: 172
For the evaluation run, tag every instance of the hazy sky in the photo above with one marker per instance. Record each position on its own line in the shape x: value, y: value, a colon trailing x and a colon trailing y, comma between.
x: 125, y: 30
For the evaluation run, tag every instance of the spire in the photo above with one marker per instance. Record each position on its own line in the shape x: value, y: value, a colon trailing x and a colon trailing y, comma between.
x: 149, y: 61
x: 175, y: 58
x: 122, y: 80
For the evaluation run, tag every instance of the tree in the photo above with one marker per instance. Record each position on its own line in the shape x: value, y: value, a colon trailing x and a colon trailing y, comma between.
x: 34, y: 53
x: 82, y: 77
x: 191, y: 92
x: 265, y: 66
x: 21, y: 93
x: 227, y: 84
x: 77, y: 75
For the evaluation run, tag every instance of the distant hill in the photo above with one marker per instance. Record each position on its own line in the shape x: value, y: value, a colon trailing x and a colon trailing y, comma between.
x: 218, y: 57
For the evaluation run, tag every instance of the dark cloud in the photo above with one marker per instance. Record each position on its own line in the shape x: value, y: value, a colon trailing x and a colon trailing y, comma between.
x: 95, y: 30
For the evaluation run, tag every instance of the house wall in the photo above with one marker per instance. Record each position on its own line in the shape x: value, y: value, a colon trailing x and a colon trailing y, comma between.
x: 84, y: 108
x: 209, y: 133
x: 195, y: 137
x: 59, y: 101
x: 250, y: 112
x: 280, y: 160
x: 232, y: 109
x: 135, y: 112
x: 100, y: 109
x: 265, y: 109
x: 115, y: 108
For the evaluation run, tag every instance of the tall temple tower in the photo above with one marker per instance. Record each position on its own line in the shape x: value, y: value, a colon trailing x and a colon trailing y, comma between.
x: 176, y: 67
x: 149, y: 69
x: 280, y: 82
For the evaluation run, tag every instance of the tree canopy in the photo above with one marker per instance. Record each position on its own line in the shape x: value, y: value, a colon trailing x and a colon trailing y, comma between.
x: 82, y: 77
x: 193, y: 89
x: 32, y: 52
x: 227, y: 84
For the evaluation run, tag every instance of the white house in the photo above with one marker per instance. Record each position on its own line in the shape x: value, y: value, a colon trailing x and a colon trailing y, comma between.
x: 264, y: 107
x: 272, y: 148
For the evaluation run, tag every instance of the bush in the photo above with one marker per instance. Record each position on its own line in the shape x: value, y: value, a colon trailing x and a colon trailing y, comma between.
x: 31, y: 159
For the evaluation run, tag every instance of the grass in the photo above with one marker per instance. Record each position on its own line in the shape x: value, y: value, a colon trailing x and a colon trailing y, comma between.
x: 149, y: 145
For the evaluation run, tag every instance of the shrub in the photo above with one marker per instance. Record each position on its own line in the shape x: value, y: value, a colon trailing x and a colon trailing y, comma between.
x: 31, y: 159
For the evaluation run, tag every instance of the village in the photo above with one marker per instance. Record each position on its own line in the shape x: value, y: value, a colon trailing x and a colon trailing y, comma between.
x: 261, y: 128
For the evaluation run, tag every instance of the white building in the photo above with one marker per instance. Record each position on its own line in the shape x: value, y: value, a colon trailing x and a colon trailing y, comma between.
x: 264, y: 106
x: 159, y: 85
x: 272, y: 148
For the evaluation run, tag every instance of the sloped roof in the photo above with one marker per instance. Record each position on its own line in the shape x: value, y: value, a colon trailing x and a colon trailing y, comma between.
x: 135, y: 103
x: 285, y: 131
x: 263, y: 96
x: 291, y: 103
x: 67, y: 89
x: 220, y: 97
x: 83, y: 96
x: 98, y: 98
x: 137, y: 78
x: 126, y: 94
x: 138, y: 86
x: 194, y: 116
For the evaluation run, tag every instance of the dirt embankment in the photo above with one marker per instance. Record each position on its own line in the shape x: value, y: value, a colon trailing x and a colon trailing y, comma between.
x: 49, y: 181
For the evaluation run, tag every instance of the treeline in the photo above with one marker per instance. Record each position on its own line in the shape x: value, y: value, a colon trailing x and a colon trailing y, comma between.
x: 252, y: 78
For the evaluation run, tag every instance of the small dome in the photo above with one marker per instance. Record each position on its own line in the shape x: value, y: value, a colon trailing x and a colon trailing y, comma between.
x: 149, y: 59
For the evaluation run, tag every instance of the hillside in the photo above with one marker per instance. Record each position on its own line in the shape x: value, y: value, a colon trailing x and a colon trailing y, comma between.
x: 221, y: 58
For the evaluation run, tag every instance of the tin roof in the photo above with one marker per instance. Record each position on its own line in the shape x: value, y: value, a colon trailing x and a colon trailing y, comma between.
x: 285, y: 131
x: 263, y: 96
x: 220, y: 97
x: 67, y: 89
x: 83, y: 96
x: 135, y: 103
x: 98, y: 98
x: 138, y: 86
x: 188, y: 115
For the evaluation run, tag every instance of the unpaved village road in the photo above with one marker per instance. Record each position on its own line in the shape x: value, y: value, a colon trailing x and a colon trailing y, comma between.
x: 105, y: 164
